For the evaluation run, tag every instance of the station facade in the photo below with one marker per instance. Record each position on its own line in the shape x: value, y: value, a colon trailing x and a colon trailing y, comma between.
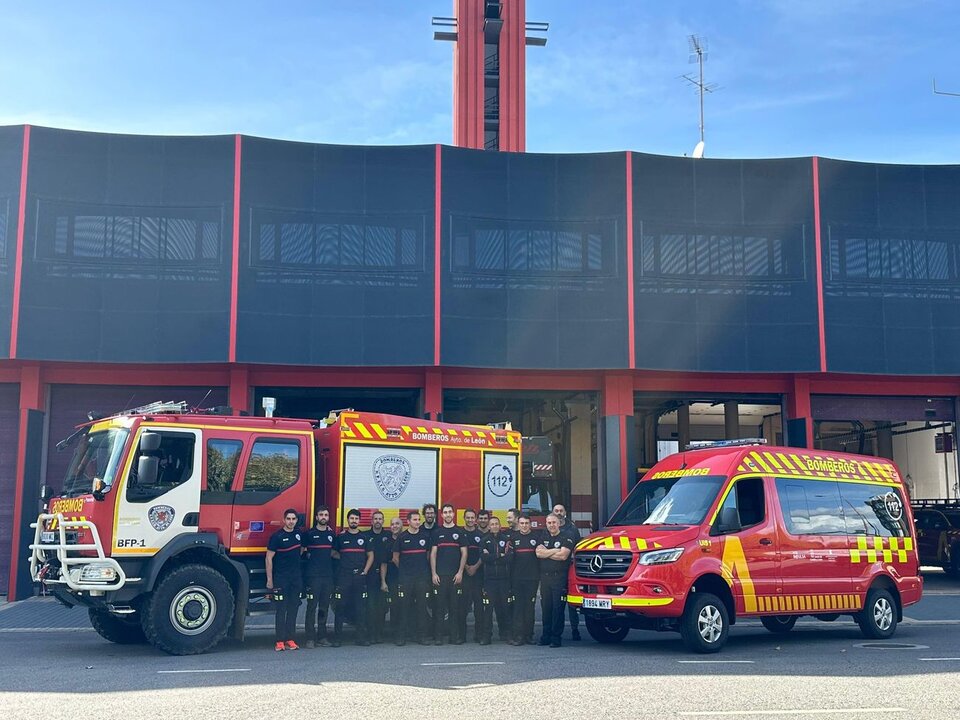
x: 617, y: 304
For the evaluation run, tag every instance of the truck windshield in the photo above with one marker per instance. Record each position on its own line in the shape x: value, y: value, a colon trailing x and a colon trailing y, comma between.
x: 97, y: 456
x: 669, y: 501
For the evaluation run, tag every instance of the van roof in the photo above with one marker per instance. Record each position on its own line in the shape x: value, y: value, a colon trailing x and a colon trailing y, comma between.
x: 781, y: 461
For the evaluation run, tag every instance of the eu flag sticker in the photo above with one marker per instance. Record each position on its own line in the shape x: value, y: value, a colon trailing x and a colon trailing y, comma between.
x: 256, y: 526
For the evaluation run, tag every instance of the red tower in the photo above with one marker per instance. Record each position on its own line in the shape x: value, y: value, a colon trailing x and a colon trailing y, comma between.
x: 489, y: 71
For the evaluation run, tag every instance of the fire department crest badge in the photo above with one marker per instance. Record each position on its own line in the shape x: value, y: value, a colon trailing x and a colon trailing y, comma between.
x: 422, y: 542
x: 161, y: 517
x: 391, y: 474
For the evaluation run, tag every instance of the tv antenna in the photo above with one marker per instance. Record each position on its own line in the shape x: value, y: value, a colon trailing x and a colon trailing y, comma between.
x: 942, y: 92
x: 698, y: 55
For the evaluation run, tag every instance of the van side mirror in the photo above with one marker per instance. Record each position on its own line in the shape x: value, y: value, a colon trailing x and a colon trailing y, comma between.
x: 729, y: 521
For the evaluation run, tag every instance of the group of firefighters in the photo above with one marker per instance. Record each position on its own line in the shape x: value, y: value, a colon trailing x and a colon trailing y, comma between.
x: 428, y: 576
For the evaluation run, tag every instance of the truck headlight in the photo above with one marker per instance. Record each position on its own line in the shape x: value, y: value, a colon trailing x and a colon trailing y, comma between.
x: 98, y: 573
x: 661, y: 557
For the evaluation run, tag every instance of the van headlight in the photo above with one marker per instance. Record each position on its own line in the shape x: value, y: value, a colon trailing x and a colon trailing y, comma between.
x: 661, y: 557
x: 98, y: 573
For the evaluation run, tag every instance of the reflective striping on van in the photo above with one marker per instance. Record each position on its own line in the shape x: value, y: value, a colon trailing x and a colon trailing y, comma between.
x: 818, y: 466
x: 808, y: 603
x: 894, y: 549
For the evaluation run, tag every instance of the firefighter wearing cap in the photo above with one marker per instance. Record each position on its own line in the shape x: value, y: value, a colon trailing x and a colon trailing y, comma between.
x: 381, y: 542
x: 472, y: 573
x: 524, y: 579
x: 318, y: 572
x: 411, y: 556
x: 553, y: 551
x: 355, y: 552
x: 448, y: 557
x: 495, y: 548
x: 285, y: 578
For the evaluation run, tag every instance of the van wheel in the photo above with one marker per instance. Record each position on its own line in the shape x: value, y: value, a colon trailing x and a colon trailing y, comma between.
x: 705, y: 623
x: 780, y: 624
x: 189, y: 611
x: 605, y: 632
x: 120, y: 629
x: 878, y: 619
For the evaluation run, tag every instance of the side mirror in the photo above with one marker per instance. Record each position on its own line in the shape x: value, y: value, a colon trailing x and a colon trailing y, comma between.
x: 149, y: 442
x: 729, y: 521
x: 148, y: 468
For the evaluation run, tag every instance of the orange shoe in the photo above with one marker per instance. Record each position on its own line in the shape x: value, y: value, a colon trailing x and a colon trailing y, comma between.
x: 279, y: 647
x: 291, y: 645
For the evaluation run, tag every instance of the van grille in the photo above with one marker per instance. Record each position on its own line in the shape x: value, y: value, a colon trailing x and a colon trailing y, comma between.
x: 613, y: 565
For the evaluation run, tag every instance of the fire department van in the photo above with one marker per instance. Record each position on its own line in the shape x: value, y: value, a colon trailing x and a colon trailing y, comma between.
x: 162, y: 524
x: 742, y: 530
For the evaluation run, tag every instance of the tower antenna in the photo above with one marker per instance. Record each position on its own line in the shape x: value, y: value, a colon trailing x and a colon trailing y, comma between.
x: 698, y: 55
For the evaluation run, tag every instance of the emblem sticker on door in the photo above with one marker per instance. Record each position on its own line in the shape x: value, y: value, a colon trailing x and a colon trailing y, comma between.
x: 161, y: 517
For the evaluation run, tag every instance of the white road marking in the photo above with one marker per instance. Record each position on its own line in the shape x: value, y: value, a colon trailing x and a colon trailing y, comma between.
x: 209, y: 670
x: 471, y: 687
x: 45, y: 629
x: 717, y: 662
x: 943, y: 659
x: 914, y: 621
x: 457, y: 664
x: 818, y: 711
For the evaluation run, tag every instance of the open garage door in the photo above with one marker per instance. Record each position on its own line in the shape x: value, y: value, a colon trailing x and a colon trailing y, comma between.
x: 9, y: 429
x: 918, y: 433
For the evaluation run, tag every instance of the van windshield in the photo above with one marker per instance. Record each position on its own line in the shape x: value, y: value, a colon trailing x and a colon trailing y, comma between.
x: 669, y: 501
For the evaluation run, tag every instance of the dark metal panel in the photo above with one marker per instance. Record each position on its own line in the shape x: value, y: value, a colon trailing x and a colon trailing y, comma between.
x: 336, y: 254
x: 9, y: 430
x: 899, y: 409
x: 533, y: 265
x: 11, y: 154
x: 127, y: 248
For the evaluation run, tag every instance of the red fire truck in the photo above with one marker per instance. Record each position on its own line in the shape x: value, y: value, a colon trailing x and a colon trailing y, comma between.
x: 162, y: 524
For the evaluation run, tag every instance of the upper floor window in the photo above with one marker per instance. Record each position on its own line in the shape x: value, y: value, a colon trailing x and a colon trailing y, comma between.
x: 864, y: 256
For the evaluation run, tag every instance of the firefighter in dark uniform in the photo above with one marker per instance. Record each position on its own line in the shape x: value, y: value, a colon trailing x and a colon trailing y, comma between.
x: 382, y: 544
x: 570, y: 530
x: 429, y: 519
x: 355, y: 552
x: 483, y: 521
x: 285, y: 578
x: 495, y: 548
x: 318, y: 572
x: 524, y: 580
x: 411, y: 556
x: 553, y: 551
x: 447, y: 560
x: 512, y: 515
x: 472, y: 573
x: 388, y: 580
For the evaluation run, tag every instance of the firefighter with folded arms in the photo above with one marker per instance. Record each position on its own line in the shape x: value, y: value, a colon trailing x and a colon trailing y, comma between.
x: 524, y: 580
x: 570, y: 530
x: 285, y: 578
x: 495, y: 548
x: 472, y: 573
x: 553, y: 552
x: 448, y: 557
x: 411, y: 556
x: 355, y: 553
x: 389, y: 577
x: 318, y: 572
x: 382, y: 544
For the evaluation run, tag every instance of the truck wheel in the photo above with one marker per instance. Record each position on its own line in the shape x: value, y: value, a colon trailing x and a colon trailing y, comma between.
x: 606, y: 632
x: 705, y: 623
x: 780, y: 624
x: 189, y: 611
x: 120, y: 629
x: 878, y: 619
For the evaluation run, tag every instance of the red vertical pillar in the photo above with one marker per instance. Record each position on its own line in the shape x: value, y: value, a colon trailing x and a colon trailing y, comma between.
x: 619, y: 451
x: 468, y: 74
x: 239, y: 390
x: 513, y: 73
x: 433, y: 394
x: 799, y: 407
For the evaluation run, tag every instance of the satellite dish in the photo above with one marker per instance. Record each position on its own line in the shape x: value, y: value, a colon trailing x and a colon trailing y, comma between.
x: 698, y: 150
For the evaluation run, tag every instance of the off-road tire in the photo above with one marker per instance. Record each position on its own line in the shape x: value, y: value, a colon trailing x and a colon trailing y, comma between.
x: 705, y: 624
x: 119, y: 629
x: 189, y: 611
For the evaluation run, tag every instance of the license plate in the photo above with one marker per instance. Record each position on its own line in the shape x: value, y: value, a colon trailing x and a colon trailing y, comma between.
x: 47, y: 536
x: 597, y: 603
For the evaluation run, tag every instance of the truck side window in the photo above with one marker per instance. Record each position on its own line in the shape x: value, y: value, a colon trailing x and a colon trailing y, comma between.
x: 747, y: 497
x: 274, y: 465
x: 222, y: 459
x: 174, y: 468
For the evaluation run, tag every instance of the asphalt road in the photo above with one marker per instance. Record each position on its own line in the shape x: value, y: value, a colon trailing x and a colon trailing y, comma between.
x: 52, y: 665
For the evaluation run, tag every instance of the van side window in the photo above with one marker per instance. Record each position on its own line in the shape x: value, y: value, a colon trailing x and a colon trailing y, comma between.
x: 274, y: 465
x: 811, y: 507
x: 873, y: 510
x: 222, y: 459
x: 747, y: 497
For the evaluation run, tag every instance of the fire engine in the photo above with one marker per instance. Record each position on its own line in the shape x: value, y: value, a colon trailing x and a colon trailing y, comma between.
x: 716, y: 534
x: 162, y: 524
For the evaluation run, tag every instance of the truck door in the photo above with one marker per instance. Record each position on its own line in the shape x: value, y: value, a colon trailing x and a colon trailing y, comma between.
x: 275, y: 475
x: 223, y: 451
x: 152, y: 511
x: 751, y: 550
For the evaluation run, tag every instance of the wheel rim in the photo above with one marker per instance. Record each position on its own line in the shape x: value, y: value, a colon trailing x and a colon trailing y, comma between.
x: 192, y: 610
x: 883, y: 613
x: 611, y: 629
x: 710, y: 623
x: 782, y: 619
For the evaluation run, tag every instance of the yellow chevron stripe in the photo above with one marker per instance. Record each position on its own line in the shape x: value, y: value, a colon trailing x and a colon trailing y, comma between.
x: 381, y: 433
x: 641, y: 544
x: 786, y: 461
x: 759, y: 460
x: 363, y: 430
x: 772, y: 460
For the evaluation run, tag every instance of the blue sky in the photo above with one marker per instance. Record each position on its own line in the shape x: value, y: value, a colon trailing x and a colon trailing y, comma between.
x: 838, y: 78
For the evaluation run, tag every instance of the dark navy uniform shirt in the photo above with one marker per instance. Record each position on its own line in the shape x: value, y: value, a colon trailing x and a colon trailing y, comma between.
x: 319, y: 544
x: 496, y: 558
x: 448, y: 542
x: 552, y: 542
x: 474, y: 540
x: 414, y: 552
x: 353, y: 549
x: 523, y: 548
x: 287, y: 547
